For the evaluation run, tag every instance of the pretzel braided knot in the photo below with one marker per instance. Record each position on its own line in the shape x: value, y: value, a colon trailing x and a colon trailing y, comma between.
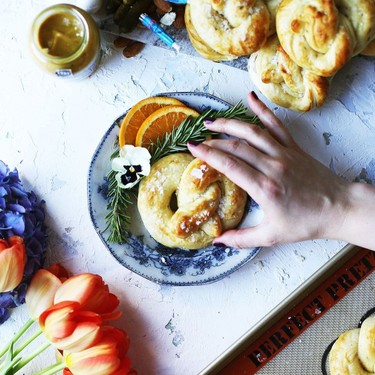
x: 354, y: 351
x: 207, y: 202
x: 284, y: 82
x: 231, y: 27
x: 322, y: 35
x: 315, y: 35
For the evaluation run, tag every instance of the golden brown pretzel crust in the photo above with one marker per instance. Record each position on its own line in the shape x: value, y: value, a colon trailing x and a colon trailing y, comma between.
x: 369, y: 50
x: 354, y: 351
x: 361, y: 15
x: 207, y: 201
x: 231, y: 27
x: 366, y: 344
x: 322, y: 35
x: 284, y: 82
x: 198, y: 43
x: 315, y: 35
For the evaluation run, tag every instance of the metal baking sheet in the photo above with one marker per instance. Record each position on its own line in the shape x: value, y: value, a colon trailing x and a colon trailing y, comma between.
x: 295, y: 338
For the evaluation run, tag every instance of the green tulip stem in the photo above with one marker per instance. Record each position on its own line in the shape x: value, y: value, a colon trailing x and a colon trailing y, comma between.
x: 27, y: 325
x: 52, y: 369
x: 30, y: 357
x: 27, y: 342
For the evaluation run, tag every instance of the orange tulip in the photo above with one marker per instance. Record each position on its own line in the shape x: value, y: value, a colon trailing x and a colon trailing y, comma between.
x: 41, y: 292
x: 92, y: 293
x: 42, y: 289
x: 59, y: 271
x: 106, y: 357
x: 69, y: 328
x: 12, y: 262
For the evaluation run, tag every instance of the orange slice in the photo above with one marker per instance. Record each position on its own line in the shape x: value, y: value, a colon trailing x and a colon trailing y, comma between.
x: 162, y: 121
x: 138, y: 113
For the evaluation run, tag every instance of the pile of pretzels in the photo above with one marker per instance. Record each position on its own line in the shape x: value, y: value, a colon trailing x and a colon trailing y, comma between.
x: 295, y: 47
x: 354, y: 351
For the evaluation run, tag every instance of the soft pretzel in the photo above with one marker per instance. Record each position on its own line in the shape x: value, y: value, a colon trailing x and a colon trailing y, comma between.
x: 231, y: 27
x: 198, y: 43
x: 284, y: 82
x: 207, y: 202
x: 366, y: 344
x: 369, y: 50
x: 272, y: 6
x: 353, y: 353
x: 315, y: 34
x: 361, y: 14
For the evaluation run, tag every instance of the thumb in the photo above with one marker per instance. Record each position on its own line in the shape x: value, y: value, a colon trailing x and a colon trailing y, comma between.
x: 248, y: 237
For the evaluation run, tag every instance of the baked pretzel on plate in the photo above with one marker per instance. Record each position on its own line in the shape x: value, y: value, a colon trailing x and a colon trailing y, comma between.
x: 207, y: 202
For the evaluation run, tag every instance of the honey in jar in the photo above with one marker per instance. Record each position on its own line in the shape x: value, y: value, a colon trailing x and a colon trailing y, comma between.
x: 66, y: 41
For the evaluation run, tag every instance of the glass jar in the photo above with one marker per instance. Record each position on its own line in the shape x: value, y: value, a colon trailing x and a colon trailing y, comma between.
x: 65, y: 41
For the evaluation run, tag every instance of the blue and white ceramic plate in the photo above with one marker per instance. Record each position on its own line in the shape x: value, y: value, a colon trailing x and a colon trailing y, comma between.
x: 143, y: 255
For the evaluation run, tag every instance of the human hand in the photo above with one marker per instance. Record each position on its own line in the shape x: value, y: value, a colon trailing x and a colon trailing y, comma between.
x: 301, y: 198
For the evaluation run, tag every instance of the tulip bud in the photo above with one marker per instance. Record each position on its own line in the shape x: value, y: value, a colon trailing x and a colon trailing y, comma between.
x: 41, y: 292
x: 106, y: 357
x: 92, y: 293
x: 12, y: 262
x: 59, y: 271
x: 69, y: 328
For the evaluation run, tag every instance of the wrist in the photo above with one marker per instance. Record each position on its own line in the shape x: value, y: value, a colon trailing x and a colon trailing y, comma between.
x: 352, y: 216
x: 338, y: 207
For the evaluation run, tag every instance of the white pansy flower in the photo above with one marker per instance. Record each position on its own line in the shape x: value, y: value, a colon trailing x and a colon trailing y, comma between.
x: 132, y: 164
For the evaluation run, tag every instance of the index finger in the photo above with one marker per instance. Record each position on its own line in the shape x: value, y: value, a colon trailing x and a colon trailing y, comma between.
x: 242, y: 174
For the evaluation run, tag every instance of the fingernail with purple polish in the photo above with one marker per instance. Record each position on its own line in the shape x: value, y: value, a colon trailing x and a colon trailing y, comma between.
x: 254, y: 95
x: 208, y: 121
x: 219, y: 244
x: 192, y: 143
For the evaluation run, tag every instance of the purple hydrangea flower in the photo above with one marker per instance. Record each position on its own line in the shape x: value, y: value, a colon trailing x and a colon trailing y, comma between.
x: 21, y: 214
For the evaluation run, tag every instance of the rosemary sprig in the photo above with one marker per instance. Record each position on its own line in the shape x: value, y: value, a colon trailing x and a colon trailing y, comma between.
x: 191, y: 129
x: 117, y: 218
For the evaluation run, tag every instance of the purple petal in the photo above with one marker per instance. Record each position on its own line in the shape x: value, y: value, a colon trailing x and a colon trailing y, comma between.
x: 2, y: 203
x: 18, y: 191
x: 4, y: 315
x: 3, y: 191
x: 25, y: 202
x: 3, y: 168
x: 15, y: 221
x: 17, y: 208
x: 6, y: 300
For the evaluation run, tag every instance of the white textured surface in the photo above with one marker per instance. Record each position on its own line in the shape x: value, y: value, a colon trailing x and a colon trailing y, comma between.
x: 49, y: 130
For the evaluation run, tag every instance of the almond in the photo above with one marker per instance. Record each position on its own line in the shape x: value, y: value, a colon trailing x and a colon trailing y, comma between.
x: 179, y: 22
x: 163, y: 5
x: 122, y: 42
x: 133, y: 50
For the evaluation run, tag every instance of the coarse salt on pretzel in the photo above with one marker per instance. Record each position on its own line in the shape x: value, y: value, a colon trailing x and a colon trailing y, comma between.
x: 198, y: 43
x: 284, y: 82
x: 361, y: 15
x: 207, y: 202
x: 315, y: 34
x: 231, y: 27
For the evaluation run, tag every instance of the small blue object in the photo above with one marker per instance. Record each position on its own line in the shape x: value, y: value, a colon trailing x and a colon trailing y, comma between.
x: 158, y: 31
x: 177, y: 1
